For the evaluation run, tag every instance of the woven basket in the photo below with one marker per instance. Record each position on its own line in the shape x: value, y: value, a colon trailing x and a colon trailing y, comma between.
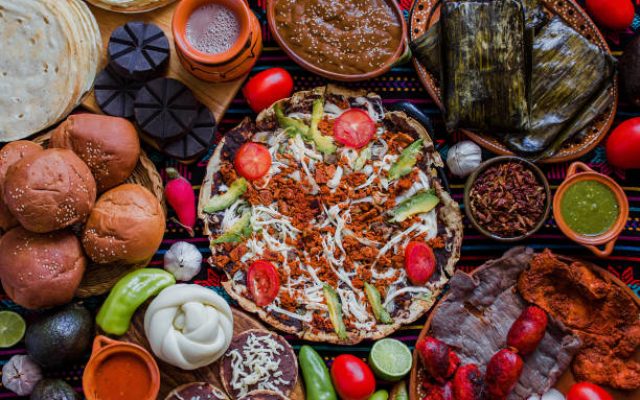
x: 100, y: 278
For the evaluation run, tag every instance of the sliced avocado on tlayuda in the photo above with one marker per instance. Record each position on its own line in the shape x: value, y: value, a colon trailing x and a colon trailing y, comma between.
x: 224, y: 200
x: 373, y: 295
x: 238, y: 231
x: 335, y: 311
x: 407, y: 160
x: 421, y: 202
x: 324, y: 143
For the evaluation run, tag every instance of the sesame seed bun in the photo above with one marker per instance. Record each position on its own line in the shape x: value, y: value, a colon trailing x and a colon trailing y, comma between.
x: 108, y: 145
x: 49, y: 190
x: 127, y: 224
x: 40, y: 270
x: 9, y: 155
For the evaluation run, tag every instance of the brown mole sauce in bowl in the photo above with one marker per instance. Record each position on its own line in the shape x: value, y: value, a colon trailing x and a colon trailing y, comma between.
x: 340, y: 38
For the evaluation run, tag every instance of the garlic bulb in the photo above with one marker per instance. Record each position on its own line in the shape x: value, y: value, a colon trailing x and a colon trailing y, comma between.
x: 183, y: 260
x: 21, y: 374
x: 463, y: 158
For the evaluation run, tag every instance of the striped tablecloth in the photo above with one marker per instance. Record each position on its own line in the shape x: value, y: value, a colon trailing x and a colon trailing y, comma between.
x: 399, y: 84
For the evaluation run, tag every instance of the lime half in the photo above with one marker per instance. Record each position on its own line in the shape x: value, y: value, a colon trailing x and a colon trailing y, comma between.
x: 12, y: 328
x: 390, y: 359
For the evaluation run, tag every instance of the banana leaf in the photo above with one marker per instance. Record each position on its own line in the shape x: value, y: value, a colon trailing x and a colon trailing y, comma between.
x: 570, y: 75
x: 484, y: 65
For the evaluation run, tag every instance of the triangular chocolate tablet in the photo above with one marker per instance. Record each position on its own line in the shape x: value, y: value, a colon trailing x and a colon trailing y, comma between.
x: 114, y: 94
x: 197, y: 141
x: 138, y: 51
x: 165, y: 109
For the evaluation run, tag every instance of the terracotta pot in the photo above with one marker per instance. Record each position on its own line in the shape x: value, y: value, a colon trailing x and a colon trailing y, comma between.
x: 579, y: 172
x: 105, y: 349
x: 221, y: 67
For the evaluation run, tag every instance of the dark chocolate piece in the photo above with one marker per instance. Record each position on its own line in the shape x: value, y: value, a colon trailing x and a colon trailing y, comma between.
x: 165, y: 109
x: 197, y: 141
x: 114, y: 94
x: 138, y: 51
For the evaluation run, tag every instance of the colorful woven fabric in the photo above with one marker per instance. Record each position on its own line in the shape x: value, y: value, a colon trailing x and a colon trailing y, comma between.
x: 399, y: 84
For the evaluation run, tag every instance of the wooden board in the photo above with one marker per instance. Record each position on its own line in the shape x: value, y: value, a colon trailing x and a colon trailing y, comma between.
x: 216, y: 96
x: 171, y: 377
x: 567, y: 379
x: 425, y: 13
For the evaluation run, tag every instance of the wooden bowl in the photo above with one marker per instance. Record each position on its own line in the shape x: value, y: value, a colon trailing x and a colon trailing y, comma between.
x: 100, y: 278
x: 425, y: 13
x: 271, y: 5
x: 608, y: 238
x: 567, y: 379
x: 499, y: 160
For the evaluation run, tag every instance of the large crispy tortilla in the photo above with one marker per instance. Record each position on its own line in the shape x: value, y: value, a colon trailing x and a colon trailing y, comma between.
x: 448, y: 214
x: 130, y: 6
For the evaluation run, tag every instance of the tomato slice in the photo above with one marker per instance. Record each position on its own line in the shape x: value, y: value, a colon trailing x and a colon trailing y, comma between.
x: 354, y: 128
x: 252, y: 161
x: 419, y: 262
x: 263, y: 282
x: 587, y: 391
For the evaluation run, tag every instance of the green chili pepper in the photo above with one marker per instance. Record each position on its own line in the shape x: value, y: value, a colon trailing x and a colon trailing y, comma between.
x: 128, y: 294
x: 399, y: 391
x: 317, y: 380
x: 380, y: 395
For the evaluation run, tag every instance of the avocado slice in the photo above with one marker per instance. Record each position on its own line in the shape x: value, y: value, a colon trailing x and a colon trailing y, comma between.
x: 407, y: 160
x: 335, y: 311
x: 421, y: 202
x: 363, y: 157
x: 292, y: 125
x: 324, y: 143
x: 238, y: 231
x: 373, y: 295
x: 224, y: 200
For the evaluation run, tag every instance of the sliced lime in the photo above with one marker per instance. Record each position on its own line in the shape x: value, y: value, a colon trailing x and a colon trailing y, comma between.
x: 390, y: 359
x: 12, y: 328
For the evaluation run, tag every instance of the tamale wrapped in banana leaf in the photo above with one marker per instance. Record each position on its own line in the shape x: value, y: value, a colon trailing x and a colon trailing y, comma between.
x: 569, y: 77
x: 484, y: 65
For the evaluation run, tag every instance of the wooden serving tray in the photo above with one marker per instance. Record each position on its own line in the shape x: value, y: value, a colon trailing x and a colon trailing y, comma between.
x: 566, y: 380
x: 172, y: 377
x: 216, y: 96
x: 425, y: 13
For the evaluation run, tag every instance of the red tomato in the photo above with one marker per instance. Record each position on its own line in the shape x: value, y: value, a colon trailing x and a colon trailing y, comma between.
x: 263, y: 282
x: 623, y: 145
x: 252, y: 161
x: 354, y: 128
x: 267, y: 87
x: 616, y: 15
x: 352, y: 378
x: 419, y: 262
x: 587, y: 391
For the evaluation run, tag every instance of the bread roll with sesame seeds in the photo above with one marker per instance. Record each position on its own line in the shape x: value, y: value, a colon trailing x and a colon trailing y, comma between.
x: 126, y: 225
x: 49, y: 190
x: 40, y: 270
x: 9, y: 155
x: 108, y: 145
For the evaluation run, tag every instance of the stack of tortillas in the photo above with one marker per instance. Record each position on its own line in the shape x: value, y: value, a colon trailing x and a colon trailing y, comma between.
x: 49, y: 56
x: 130, y: 6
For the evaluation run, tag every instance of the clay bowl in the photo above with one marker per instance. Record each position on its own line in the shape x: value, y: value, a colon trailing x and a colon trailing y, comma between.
x: 567, y: 379
x: 400, y: 51
x: 499, y: 160
x: 579, y: 172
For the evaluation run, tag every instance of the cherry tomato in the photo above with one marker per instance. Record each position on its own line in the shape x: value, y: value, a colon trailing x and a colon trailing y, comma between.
x: 419, y: 262
x: 352, y: 378
x: 623, y: 145
x: 267, y: 87
x: 354, y: 128
x: 263, y: 282
x: 252, y: 161
x: 587, y: 391
x: 616, y: 15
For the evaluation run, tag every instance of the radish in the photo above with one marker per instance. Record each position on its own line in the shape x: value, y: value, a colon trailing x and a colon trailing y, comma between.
x: 182, y: 199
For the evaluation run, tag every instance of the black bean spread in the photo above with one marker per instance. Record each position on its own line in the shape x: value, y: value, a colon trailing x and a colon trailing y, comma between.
x: 346, y: 37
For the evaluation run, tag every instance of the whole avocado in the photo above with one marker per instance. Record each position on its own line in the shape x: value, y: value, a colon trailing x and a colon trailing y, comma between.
x: 630, y: 72
x: 53, y: 389
x: 61, y: 336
